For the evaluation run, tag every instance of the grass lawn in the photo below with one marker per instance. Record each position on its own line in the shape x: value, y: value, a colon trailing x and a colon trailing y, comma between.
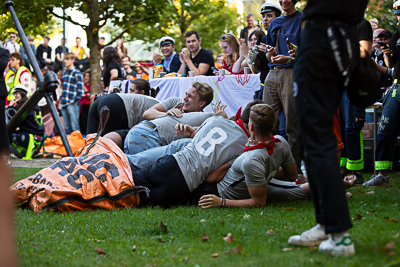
x: 134, y: 237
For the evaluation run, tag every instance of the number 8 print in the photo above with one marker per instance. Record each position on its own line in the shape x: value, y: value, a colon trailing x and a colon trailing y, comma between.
x: 210, y: 140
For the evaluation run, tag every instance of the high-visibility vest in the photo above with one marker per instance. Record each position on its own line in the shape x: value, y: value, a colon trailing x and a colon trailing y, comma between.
x: 16, y: 81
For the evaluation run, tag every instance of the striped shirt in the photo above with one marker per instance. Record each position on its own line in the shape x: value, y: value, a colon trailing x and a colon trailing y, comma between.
x: 72, y: 87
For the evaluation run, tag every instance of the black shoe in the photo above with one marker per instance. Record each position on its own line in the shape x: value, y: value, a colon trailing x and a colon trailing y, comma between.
x: 360, y: 178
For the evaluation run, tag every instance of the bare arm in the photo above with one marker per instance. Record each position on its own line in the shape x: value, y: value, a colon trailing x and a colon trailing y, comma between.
x: 366, y: 45
x: 154, y: 112
x: 114, y: 74
x: 258, y: 199
x: 287, y: 173
x: 218, y: 174
x: 388, y: 57
x: 201, y: 70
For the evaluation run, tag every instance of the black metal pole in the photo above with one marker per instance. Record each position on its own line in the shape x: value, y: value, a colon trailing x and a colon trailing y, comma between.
x: 46, y: 86
x: 64, y: 49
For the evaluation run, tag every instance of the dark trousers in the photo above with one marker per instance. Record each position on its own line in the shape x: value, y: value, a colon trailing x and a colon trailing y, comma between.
x: 83, y: 117
x: 3, y: 127
x: 351, y: 123
x: 118, y: 119
x: 389, y: 130
x: 165, y: 180
x: 318, y: 91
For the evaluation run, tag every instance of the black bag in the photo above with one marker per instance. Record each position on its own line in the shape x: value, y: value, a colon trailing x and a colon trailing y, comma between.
x: 364, y: 85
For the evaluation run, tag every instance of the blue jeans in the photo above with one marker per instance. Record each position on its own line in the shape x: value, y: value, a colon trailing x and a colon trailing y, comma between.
x: 70, y: 114
x: 389, y: 129
x: 141, y: 137
x: 151, y: 156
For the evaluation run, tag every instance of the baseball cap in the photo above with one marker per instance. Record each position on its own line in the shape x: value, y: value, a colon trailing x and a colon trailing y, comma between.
x: 385, y: 33
x: 19, y: 88
x: 268, y: 7
x: 166, y: 40
x: 396, y: 7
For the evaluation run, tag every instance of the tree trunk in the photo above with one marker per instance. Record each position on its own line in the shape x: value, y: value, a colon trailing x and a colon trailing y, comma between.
x: 92, y: 33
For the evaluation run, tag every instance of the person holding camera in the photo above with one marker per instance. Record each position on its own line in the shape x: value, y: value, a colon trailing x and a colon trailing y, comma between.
x: 11, y: 44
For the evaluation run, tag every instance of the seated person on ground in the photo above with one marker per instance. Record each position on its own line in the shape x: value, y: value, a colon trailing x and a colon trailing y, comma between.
x: 29, y: 136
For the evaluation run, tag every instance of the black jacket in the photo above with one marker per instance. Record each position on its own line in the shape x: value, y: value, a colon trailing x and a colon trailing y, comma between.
x: 4, y: 56
x: 175, y: 64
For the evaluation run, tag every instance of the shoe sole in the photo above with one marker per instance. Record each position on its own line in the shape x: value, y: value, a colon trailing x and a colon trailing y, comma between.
x: 307, y: 243
x: 381, y: 185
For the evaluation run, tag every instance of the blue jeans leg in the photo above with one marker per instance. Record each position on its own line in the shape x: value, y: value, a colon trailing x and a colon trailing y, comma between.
x: 67, y: 123
x: 152, y: 155
x: 140, y: 138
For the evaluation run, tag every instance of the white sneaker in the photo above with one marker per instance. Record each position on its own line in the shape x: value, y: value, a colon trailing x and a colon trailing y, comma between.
x: 311, y: 237
x: 378, y: 180
x: 343, y: 247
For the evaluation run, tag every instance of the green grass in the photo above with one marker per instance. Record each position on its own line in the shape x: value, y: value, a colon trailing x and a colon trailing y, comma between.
x: 70, y: 239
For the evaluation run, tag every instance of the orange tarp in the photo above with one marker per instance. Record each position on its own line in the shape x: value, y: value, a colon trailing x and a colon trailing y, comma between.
x: 101, y: 178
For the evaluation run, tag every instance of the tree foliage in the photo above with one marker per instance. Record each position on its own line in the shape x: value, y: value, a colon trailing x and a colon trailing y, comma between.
x: 210, y: 18
x: 384, y: 12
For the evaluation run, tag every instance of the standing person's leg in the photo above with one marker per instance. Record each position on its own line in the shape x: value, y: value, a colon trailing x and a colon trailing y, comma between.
x: 287, y: 99
x: 272, y: 94
x: 67, y: 121
x: 73, y: 113
x: 389, y: 130
x: 319, y: 89
x: 353, y: 122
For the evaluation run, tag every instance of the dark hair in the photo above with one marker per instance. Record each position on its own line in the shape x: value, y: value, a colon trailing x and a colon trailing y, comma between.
x: 124, y: 56
x: 14, y: 33
x: 84, y: 73
x: 102, y: 38
x: 246, y: 112
x: 143, y: 85
x: 249, y: 16
x: 18, y: 56
x: 70, y: 56
x: 190, y: 33
x: 257, y: 33
x: 209, y: 51
x: 46, y: 37
x: 110, y: 54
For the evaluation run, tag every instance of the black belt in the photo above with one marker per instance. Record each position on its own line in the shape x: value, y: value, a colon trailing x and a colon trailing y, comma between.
x: 150, y: 124
x: 277, y: 67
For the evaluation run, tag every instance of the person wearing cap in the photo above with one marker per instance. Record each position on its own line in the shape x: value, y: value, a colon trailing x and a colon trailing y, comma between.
x: 278, y: 90
x: 171, y: 60
x: 389, y: 127
x: 386, y: 73
x: 29, y: 136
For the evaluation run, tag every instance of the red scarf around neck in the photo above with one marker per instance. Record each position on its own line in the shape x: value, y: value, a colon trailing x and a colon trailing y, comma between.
x: 270, y: 145
x: 240, y: 122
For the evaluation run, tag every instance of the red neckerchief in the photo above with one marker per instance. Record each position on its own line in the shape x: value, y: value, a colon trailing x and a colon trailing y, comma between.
x: 270, y: 145
x: 240, y: 122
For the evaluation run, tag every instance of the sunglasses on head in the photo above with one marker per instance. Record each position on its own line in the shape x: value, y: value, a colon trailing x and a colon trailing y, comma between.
x: 224, y: 37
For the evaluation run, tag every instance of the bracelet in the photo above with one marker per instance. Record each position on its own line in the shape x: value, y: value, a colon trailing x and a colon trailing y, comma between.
x: 223, y: 202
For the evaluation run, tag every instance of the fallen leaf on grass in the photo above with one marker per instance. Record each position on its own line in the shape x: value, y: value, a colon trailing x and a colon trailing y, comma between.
x: 204, y: 238
x: 387, y: 190
x: 215, y: 255
x: 160, y: 240
x: 287, y: 249
x: 358, y: 217
x: 100, y: 252
x: 392, y: 220
x: 289, y: 208
x: 388, y: 248
x: 35, y: 244
x: 134, y: 248
x: 394, y: 205
x: 163, y: 227
x: 229, y: 238
x: 371, y: 211
x: 202, y: 220
x: 246, y: 217
x: 370, y: 192
x: 270, y: 232
x: 288, y: 227
x: 360, y: 192
x: 237, y: 250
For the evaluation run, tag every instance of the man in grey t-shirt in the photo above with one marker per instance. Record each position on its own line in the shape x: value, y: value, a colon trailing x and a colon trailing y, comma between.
x: 161, y: 131
x: 172, y: 179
